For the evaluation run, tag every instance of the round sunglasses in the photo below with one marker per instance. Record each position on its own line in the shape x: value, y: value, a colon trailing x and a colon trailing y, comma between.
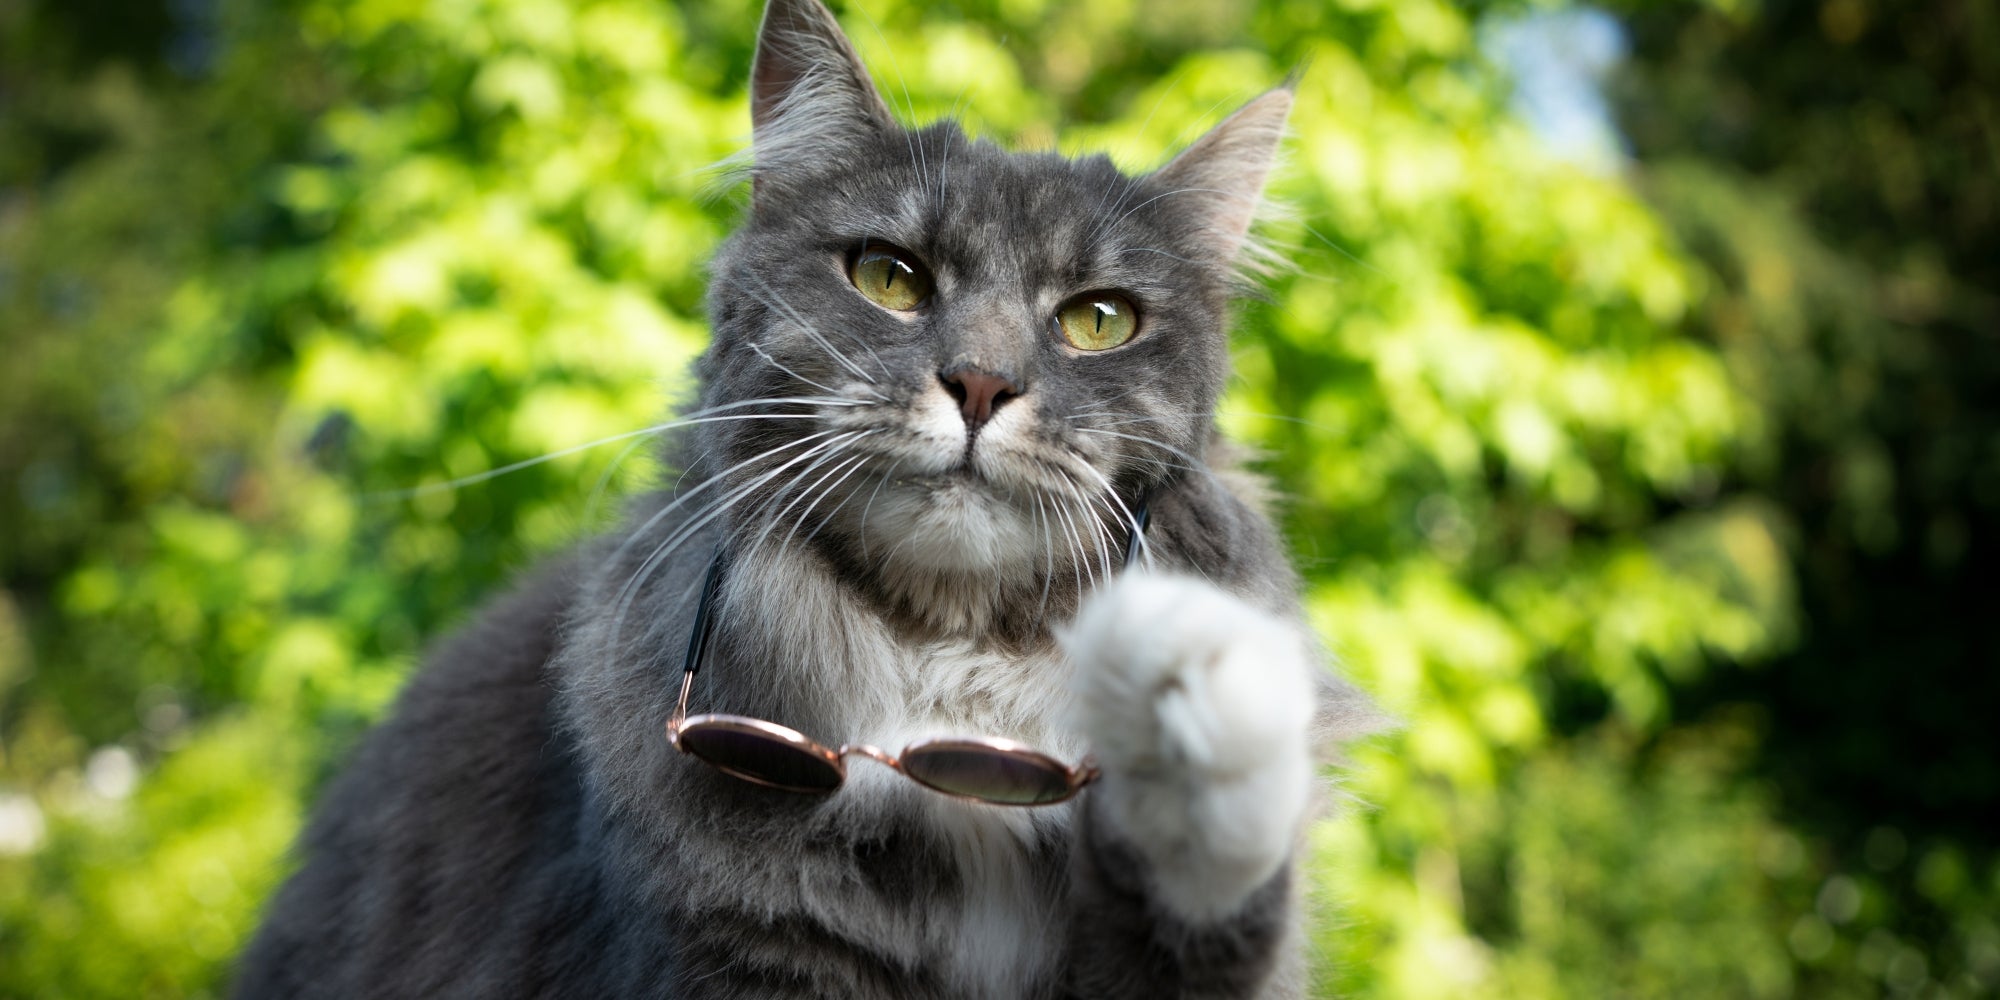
x: 983, y: 769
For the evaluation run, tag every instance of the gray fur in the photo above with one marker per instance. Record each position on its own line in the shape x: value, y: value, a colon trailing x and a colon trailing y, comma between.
x: 522, y: 827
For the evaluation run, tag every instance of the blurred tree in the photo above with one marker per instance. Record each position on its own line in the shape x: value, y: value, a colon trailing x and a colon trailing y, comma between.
x: 1835, y: 166
x: 273, y: 275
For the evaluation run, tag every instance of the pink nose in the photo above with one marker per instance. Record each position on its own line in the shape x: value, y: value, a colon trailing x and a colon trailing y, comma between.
x: 978, y: 393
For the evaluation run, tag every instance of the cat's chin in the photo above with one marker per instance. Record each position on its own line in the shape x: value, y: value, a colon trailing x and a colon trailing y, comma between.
x: 951, y: 522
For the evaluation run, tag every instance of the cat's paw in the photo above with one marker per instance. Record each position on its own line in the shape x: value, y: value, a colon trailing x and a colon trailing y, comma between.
x: 1197, y: 706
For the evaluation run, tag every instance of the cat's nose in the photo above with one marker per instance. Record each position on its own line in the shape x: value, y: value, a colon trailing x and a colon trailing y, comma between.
x: 978, y: 392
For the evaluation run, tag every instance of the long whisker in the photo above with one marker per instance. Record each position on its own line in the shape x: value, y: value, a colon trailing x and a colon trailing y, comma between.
x: 631, y: 589
x: 761, y: 511
x: 1194, y: 464
x: 824, y: 521
x: 1048, y: 555
x: 682, y: 497
x: 704, y: 416
x: 1107, y: 406
x: 770, y: 297
x: 1113, y: 224
x: 716, y: 510
x: 1100, y: 533
x: 1344, y: 252
x: 1076, y: 545
x: 1131, y: 520
x: 1281, y: 417
x: 910, y: 136
x: 701, y: 519
x: 1163, y: 253
x: 1130, y: 420
x: 803, y: 515
x: 835, y: 458
x: 1102, y: 214
x: 853, y: 465
x: 944, y: 165
x: 590, y: 507
x: 781, y: 366
x: 870, y: 506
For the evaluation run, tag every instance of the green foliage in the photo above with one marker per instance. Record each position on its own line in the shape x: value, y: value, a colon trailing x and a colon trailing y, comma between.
x: 262, y: 311
x: 1831, y: 168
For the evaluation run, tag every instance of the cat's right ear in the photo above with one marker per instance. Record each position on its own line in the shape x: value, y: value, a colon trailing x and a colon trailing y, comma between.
x: 809, y: 93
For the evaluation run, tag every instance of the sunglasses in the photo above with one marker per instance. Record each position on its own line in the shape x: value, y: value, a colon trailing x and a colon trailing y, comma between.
x: 982, y: 769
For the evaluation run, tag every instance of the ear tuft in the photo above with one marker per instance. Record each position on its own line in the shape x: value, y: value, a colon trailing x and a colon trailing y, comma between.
x: 1224, y: 171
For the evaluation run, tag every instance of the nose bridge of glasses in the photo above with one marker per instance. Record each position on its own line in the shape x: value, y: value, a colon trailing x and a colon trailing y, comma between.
x: 869, y: 751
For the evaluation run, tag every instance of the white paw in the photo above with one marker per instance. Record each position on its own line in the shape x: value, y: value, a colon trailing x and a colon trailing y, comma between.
x: 1197, y: 705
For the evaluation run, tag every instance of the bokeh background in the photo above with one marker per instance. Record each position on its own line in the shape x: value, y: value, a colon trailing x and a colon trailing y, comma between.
x: 1634, y: 401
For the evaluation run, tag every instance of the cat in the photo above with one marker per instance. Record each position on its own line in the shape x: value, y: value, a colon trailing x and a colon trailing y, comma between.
x: 951, y: 391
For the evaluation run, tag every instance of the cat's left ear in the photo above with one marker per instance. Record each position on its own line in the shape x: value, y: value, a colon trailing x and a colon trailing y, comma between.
x: 1222, y: 175
x: 810, y: 96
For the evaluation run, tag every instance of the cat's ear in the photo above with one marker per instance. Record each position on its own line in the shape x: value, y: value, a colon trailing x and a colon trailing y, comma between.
x: 1222, y: 175
x: 809, y: 92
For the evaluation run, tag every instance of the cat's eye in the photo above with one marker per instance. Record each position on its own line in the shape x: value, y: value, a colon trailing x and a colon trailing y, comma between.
x: 890, y: 277
x: 1098, y: 321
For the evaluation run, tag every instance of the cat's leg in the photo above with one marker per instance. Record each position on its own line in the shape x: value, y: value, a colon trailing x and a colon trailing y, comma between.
x: 1198, y: 707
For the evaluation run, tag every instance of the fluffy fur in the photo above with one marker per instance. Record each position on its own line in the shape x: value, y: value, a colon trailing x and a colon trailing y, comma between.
x: 897, y: 569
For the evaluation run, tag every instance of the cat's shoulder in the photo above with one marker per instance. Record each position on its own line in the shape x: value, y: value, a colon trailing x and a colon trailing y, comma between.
x: 474, y: 728
x: 447, y: 814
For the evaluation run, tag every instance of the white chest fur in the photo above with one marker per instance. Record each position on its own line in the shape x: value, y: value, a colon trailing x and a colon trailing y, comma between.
x: 1006, y: 932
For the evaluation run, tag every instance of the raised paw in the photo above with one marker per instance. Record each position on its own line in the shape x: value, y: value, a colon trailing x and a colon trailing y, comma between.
x: 1197, y: 705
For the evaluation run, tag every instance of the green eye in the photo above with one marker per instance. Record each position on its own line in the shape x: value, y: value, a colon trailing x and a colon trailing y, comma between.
x: 1098, y: 321
x: 890, y: 277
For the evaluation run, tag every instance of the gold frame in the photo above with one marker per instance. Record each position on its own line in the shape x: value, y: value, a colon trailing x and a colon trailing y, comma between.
x: 1075, y: 777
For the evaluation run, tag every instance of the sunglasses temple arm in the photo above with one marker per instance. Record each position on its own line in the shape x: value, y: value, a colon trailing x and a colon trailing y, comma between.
x: 698, y: 637
x: 680, y: 709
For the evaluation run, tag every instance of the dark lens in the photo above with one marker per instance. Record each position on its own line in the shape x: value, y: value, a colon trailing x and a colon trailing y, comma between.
x: 1017, y: 778
x: 760, y: 758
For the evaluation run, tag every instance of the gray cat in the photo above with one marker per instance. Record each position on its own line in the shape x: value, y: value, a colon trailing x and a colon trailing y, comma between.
x: 952, y: 392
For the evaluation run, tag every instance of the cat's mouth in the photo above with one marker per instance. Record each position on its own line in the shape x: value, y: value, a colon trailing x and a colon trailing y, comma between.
x: 965, y: 473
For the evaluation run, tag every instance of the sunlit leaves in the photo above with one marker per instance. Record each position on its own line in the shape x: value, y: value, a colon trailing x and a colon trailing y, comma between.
x: 478, y: 237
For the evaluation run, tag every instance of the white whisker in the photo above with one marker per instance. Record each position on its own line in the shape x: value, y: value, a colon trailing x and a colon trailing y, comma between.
x: 686, y: 531
x: 853, y: 465
x: 1194, y: 464
x: 770, y: 298
x: 704, y: 416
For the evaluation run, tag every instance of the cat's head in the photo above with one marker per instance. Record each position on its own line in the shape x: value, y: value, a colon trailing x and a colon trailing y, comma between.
x: 978, y: 361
